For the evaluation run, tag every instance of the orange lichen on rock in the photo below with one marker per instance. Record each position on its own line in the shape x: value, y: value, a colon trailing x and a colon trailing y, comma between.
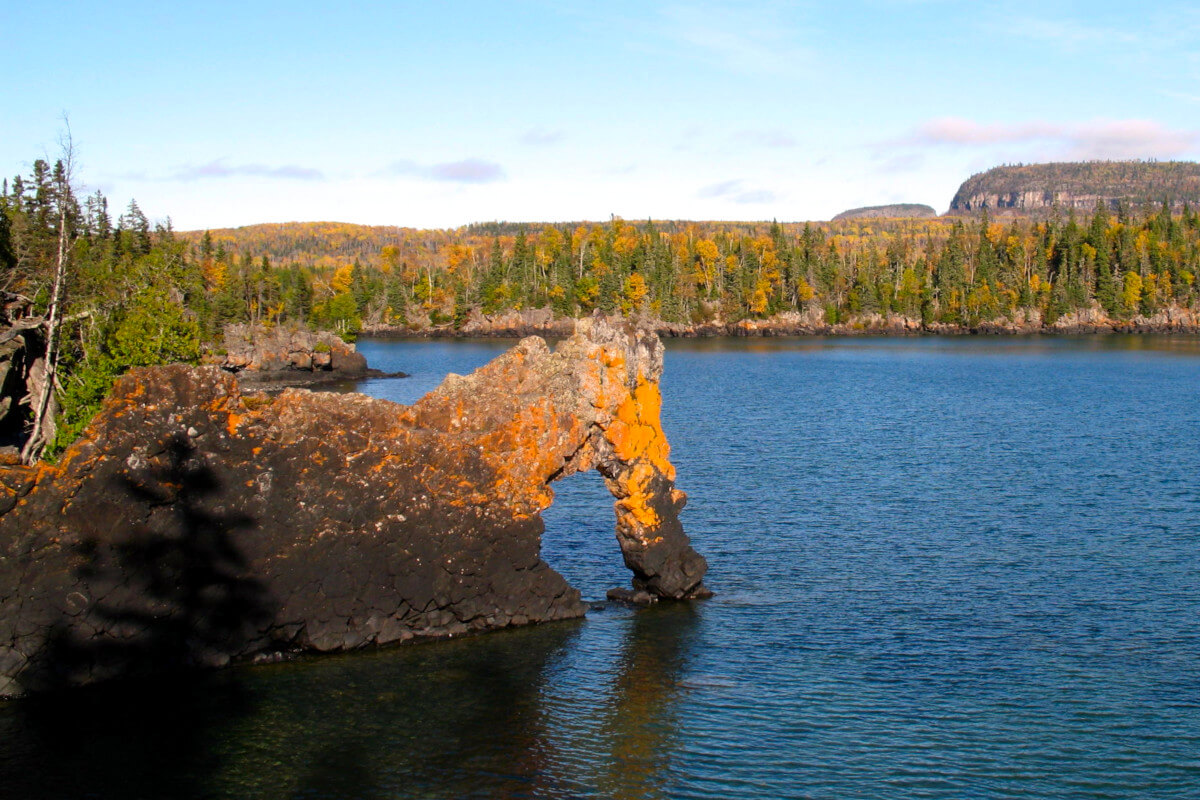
x: 233, y: 422
x: 639, y: 486
x: 593, y: 403
x: 335, y: 520
x: 637, y: 434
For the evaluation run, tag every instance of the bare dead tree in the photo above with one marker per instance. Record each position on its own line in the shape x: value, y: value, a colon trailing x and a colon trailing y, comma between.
x: 43, y: 417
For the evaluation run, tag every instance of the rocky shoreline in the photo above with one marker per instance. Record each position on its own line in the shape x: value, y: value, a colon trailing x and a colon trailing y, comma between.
x: 542, y: 322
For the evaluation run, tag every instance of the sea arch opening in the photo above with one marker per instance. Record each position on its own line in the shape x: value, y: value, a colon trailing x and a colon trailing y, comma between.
x: 578, y: 541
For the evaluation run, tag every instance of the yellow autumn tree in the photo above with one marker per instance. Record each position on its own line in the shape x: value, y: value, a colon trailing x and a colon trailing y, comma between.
x: 389, y: 258
x: 1131, y: 294
x: 634, y: 293
x: 706, y: 261
x: 215, y: 275
x: 342, y: 277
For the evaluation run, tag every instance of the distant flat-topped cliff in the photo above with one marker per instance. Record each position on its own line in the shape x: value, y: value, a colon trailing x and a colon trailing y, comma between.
x: 893, y: 211
x: 1030, y: 187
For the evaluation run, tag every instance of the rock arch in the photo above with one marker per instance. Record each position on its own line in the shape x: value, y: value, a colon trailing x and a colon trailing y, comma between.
x: 194, y: 524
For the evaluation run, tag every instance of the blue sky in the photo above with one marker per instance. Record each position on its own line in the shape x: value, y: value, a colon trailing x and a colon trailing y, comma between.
x: 437, y: 114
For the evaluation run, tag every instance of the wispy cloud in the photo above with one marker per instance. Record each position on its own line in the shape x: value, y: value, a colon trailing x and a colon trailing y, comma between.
x: 221, y: 169
x: 1097, y: 139
x: 754, y: 38
x: 737, y: 192
x: 904, y: 162
x: 542, y: 137
x: 469, y: 170
x: 1166, y: 27
x: 756, y: 196
x: 764, y: 138
x: 1071, y: 34
x: 620, y: 169
x: 719, y: 189
x: 1187, y: 97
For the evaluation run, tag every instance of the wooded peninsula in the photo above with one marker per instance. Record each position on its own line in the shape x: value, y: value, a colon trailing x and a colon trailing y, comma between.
x: 111, y: 293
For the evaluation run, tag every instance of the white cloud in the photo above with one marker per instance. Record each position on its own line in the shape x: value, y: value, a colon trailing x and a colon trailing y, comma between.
x: 1096, y: 139
x: 1187, y: 97
x: 756, y: 196
x: 541, y: 137
x: 219, y: 169
x: 722, y: 189
x: 737, y: 192
x: 1071, y: 34
x: 469, y: 170
x: 903, y: 162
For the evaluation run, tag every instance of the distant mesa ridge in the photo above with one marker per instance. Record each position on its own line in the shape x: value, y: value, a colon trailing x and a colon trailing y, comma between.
x: 893, y: 211
x: 1081, y: 185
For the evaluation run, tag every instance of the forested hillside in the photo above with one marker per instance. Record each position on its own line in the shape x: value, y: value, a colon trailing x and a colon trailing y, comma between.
x: 104, y: 293
x: 893, y: 211
x: 948, y: 270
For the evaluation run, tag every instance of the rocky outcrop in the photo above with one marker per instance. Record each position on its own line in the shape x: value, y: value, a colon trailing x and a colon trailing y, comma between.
x: 893, y: 211
x: 1032, y: 188
x: 813, y: 321
x: 526, y: 322
x: 194, y: 523
x: 271, y: 354
x: 22, y: 374
x: 505, y: 324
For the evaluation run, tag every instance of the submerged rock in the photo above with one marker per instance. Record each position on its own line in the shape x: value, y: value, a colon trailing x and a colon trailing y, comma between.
x: 194, y: 524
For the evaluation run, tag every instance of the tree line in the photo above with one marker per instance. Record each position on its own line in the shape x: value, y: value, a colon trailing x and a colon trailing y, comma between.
x: 952, y: 270
x: 107, y: 294
x: 121, y: 292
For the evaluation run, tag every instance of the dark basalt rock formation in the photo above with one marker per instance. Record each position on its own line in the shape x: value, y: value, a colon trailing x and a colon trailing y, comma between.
x: 194, y: 524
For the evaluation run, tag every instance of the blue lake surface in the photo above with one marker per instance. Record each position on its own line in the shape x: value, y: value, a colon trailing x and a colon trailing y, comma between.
x: 945, y: 568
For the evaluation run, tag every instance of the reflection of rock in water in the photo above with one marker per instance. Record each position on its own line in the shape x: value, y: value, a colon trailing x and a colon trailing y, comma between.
x: 123, y: 739
x: 193, y: 523
x: 641, y: 728
x: 453, y: 719
x: 481, y: 717
x: 484, y: 717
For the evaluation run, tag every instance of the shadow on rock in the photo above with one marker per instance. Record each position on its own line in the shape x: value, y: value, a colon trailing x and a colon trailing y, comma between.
x: 171, y: 592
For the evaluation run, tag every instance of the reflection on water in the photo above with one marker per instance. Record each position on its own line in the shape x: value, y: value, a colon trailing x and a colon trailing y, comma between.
x: 944, y: 568
x: 967, y: 345
x: 484, y: 717
x: 641, y: 729
x: 142, y: 739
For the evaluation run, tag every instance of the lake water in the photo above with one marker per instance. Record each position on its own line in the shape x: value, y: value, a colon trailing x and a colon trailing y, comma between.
x: 945, y: 568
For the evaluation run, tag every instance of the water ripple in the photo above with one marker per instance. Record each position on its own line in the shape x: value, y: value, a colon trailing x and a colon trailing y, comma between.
x: 945, y: 569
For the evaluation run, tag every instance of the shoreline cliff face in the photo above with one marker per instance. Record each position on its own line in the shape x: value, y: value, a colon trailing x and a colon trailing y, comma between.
x: 194, y: 524
x: 1035, y: 188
